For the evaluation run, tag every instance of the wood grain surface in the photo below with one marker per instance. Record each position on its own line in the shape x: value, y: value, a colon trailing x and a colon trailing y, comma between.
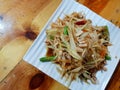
x: 20, y: 23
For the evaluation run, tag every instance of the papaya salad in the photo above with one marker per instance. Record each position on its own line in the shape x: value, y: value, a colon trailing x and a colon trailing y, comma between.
x: 77, y: 47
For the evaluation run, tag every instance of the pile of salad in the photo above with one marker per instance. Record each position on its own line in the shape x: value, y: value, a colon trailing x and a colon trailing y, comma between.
x: 78, y: 47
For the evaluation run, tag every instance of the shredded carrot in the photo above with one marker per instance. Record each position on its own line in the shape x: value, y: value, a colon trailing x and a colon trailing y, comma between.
x: 103, y: 52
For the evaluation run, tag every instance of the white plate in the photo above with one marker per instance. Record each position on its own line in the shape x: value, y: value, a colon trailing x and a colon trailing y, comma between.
x: 38, y: 48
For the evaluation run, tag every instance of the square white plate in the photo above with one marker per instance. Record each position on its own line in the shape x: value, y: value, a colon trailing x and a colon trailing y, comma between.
x: 38, y: 48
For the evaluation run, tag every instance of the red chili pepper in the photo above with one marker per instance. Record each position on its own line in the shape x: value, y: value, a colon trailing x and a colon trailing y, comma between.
x: 81, y: 22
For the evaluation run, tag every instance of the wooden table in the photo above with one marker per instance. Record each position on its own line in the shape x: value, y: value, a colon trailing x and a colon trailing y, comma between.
x: 20, y: 23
